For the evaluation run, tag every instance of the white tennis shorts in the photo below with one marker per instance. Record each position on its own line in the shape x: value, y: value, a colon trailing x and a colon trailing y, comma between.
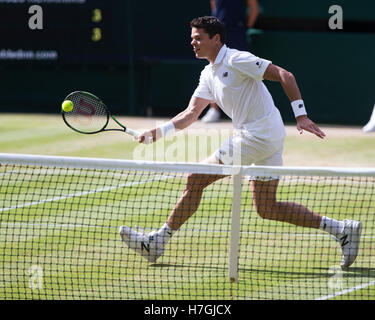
x: 245, y: 149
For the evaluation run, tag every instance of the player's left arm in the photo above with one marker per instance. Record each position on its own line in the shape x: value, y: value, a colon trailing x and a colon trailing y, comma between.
x: 289, y: 84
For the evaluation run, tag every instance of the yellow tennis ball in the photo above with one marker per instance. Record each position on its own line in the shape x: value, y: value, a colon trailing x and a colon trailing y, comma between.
x: 67, y: 105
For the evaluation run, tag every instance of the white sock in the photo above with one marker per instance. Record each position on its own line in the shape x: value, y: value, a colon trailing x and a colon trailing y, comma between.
x: 165, y: 233
x: 332, y: 226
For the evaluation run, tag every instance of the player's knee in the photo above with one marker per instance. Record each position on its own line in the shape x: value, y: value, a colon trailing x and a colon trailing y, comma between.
x: 195, y: 182
x: 263, y: 211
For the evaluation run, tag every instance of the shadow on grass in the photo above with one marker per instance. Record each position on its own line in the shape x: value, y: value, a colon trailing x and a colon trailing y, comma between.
x: 279, y: 272
x: 189, y: 266
x: 315, y: 272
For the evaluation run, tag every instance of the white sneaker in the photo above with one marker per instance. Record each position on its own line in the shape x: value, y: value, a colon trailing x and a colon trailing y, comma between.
x: 349, y: 241
x: 370, y: 127
x: 212, y: 115
x: 146, y: 245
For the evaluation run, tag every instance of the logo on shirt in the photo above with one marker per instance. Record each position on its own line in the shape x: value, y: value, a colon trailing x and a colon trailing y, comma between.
x: 222, y: 152
x: 259, y: 63
x: 225, y: 74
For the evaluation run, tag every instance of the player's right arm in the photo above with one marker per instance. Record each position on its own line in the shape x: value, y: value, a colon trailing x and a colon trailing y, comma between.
x: 180, y: 121
x: 191, y: 113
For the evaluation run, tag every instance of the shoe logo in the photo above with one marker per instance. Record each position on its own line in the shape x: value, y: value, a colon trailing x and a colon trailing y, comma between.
x: 344, y: 241
x: 225, y: 74
x: 145, y: 246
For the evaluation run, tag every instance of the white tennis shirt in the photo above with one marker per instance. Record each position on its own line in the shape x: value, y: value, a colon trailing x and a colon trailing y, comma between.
x: 234, y: 83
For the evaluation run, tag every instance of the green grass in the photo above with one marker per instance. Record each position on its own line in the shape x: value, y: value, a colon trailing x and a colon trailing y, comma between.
x: 48, y: 135
x: 75, y: 241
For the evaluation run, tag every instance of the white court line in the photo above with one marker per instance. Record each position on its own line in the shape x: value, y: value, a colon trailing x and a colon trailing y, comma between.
x: 51, y: 225
x: 342, y: 292
x: 5, y: 173
x: 80, y: 194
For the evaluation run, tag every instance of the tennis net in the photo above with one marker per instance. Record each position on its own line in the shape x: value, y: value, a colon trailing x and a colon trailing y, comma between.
x: 60, y: 219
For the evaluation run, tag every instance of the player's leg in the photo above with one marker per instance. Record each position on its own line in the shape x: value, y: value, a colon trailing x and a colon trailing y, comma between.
x: 191, y: 196
x: 264, y: 190
x: 151, y: 246
x: 267, y: 206
x: 347, y: 232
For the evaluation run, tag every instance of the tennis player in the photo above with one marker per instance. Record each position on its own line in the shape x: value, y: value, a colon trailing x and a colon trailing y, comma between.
x: 233, y: 80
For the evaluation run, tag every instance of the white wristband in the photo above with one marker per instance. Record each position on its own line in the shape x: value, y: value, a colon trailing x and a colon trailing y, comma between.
x: 167, y: 128
x: 298, y: 108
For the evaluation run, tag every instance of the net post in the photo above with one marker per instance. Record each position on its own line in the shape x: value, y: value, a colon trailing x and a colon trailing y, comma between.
x: 235, y: 224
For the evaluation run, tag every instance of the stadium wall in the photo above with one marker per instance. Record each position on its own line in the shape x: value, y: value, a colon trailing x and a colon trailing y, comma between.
x: 333, y: 68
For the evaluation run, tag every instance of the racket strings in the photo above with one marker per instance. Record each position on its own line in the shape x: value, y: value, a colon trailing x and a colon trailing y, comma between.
x: 89, y: 115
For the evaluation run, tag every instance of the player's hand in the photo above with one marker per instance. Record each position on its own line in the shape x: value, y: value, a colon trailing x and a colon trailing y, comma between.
x: 304, y: 123
x: 147, y: 137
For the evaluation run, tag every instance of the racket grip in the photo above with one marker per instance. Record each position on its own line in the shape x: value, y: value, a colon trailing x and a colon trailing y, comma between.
x: 136, y: 134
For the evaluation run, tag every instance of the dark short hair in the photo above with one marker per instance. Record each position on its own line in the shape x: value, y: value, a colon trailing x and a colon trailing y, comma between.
x: 210, y: 25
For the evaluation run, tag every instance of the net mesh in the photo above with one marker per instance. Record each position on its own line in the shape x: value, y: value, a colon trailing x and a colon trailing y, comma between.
x: 59, y: 237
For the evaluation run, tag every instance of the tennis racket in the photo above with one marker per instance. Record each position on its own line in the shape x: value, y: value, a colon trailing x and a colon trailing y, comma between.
x: 90, y: 115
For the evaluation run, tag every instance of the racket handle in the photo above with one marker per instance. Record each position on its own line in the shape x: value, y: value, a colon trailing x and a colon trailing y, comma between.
x: 136, y: 134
